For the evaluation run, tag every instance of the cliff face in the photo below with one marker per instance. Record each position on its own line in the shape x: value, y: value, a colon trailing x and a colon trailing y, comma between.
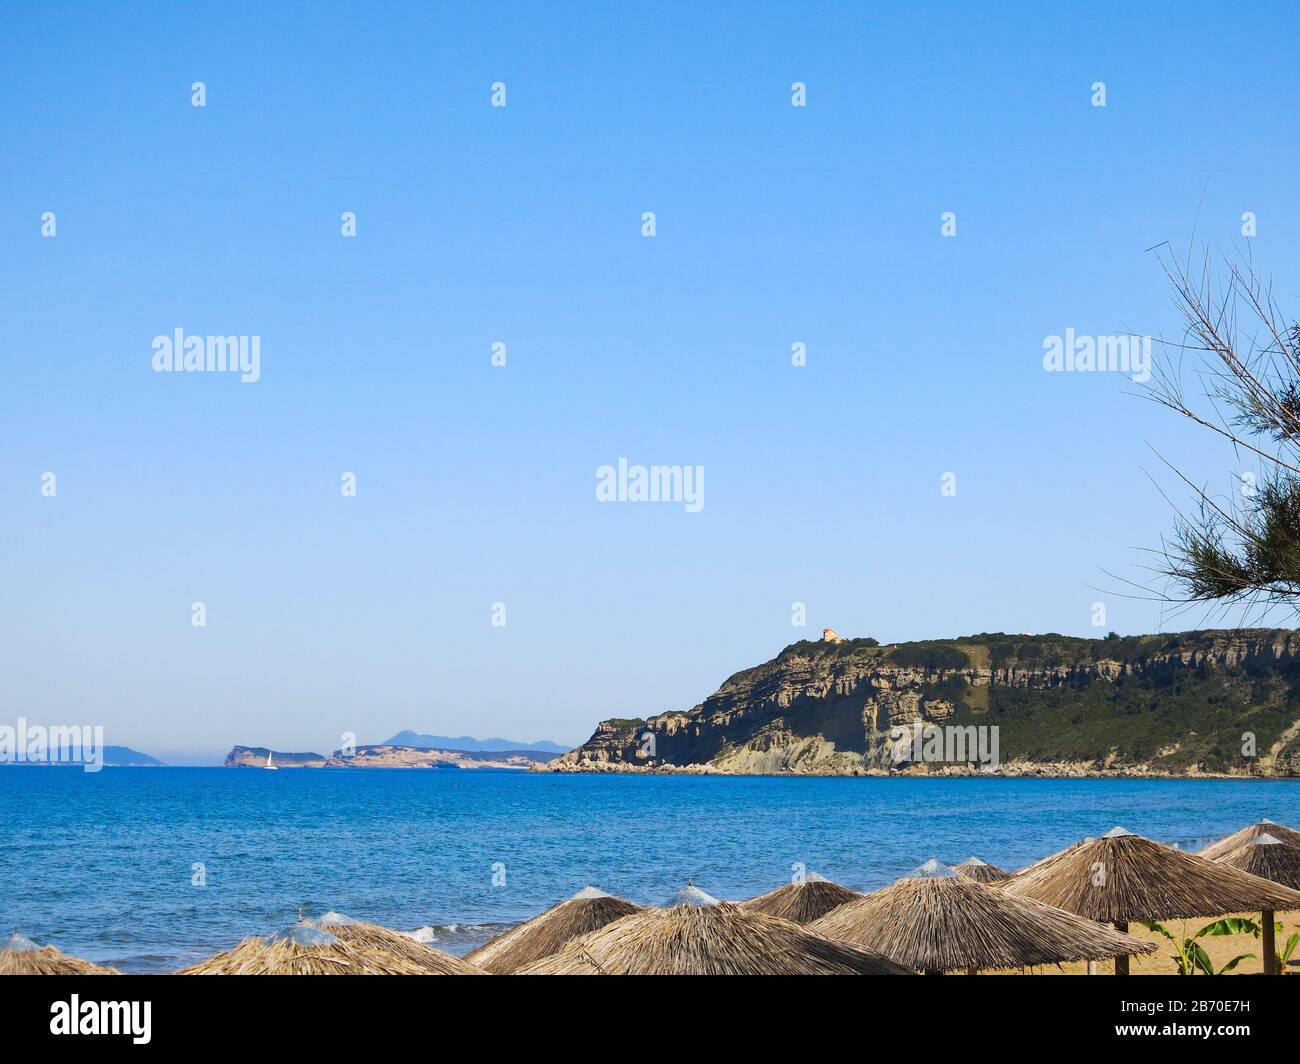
x: 1200, y: 702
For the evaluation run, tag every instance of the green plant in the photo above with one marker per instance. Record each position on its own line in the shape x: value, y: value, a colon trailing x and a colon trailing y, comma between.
x: 1191, y: 957
x: 1288, y: 951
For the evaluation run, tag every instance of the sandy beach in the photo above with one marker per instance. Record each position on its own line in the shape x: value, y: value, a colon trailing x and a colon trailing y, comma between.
x: 1221, y: 950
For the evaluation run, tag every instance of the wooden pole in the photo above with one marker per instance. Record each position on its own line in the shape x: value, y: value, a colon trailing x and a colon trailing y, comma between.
x: 1267, y: 919
x: 1121, y: 963
x: 1092, y: 967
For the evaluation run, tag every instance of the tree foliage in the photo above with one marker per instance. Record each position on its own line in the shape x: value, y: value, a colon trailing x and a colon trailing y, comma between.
x: 1236, y: 373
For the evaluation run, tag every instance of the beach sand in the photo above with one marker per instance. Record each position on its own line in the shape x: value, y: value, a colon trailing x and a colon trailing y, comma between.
x: 1221, y: 950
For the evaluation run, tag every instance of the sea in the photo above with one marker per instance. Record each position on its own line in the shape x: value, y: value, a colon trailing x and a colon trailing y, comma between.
x: 151, y: 869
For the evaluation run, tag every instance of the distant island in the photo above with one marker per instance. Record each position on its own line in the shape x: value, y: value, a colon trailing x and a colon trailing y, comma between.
x: 1193, y: 703
x: 468, y: 742
x: 388, y: 755
x: 113, y: 756
x: 124, y: 756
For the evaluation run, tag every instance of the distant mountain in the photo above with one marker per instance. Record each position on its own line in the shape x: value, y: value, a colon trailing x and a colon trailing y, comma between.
x: 468, y: 742
x: 124, y: 755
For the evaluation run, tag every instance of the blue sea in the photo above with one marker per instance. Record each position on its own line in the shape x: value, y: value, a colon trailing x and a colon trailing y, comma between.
x: 106, y: 865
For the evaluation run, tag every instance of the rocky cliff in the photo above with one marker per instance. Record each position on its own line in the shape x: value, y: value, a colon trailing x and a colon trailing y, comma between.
x: 1212, y: 702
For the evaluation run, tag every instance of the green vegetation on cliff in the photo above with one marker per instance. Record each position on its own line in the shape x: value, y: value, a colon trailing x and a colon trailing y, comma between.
x: 1211, y: 702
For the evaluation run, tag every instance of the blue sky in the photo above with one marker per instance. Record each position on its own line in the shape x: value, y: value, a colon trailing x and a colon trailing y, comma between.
x: 522, y: 224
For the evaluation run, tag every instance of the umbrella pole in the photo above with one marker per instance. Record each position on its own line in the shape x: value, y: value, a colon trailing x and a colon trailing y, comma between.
x: 1267, y: 919
x: 1121, y: 963
x: 1092, y: 967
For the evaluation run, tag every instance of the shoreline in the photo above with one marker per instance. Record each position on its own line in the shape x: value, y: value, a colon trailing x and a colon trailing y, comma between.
x: 1046, y: 774
x: 708, y: 770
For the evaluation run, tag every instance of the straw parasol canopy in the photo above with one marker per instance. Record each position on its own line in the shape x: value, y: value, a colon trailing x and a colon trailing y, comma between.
x: 1052, y: 856
x: 305, y: 949
x: 803, y: 902
x: 935, y: 920
x: 22, y: 956
x: 981, y: 871
x: 690, y: 895
x: 588, y: 910
x: 1268, y: 857
x: 359, y: 933
x: 1239, y: 838
x: 1122, y: 877
x: 721, y: 939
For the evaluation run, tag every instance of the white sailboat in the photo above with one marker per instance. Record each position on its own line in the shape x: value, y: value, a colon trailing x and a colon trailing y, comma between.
x: 268, y: 766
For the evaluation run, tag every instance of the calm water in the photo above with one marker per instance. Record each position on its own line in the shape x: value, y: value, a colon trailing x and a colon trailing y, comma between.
x: 101, y: 864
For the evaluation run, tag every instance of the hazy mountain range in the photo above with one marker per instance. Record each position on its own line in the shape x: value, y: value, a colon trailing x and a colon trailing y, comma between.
x: 468, y: 742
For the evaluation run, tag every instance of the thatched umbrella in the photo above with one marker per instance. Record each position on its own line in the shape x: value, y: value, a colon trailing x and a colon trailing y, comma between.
x: 1239, y: 838
x: 22, y: 956
x: 935, y: 921
x: 981, y: 871
x: 309, y: 950
x: 1121, y: 878
x: 802, y: 902
x: 360, y: 933
x: 588, y: 910
x: 1268, y: 857
x: 691, y: 896
x: 1052, y: 856
x: 721, y: 939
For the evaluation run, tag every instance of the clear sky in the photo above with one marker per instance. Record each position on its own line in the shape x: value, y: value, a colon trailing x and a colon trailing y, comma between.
x: 522, y: 224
